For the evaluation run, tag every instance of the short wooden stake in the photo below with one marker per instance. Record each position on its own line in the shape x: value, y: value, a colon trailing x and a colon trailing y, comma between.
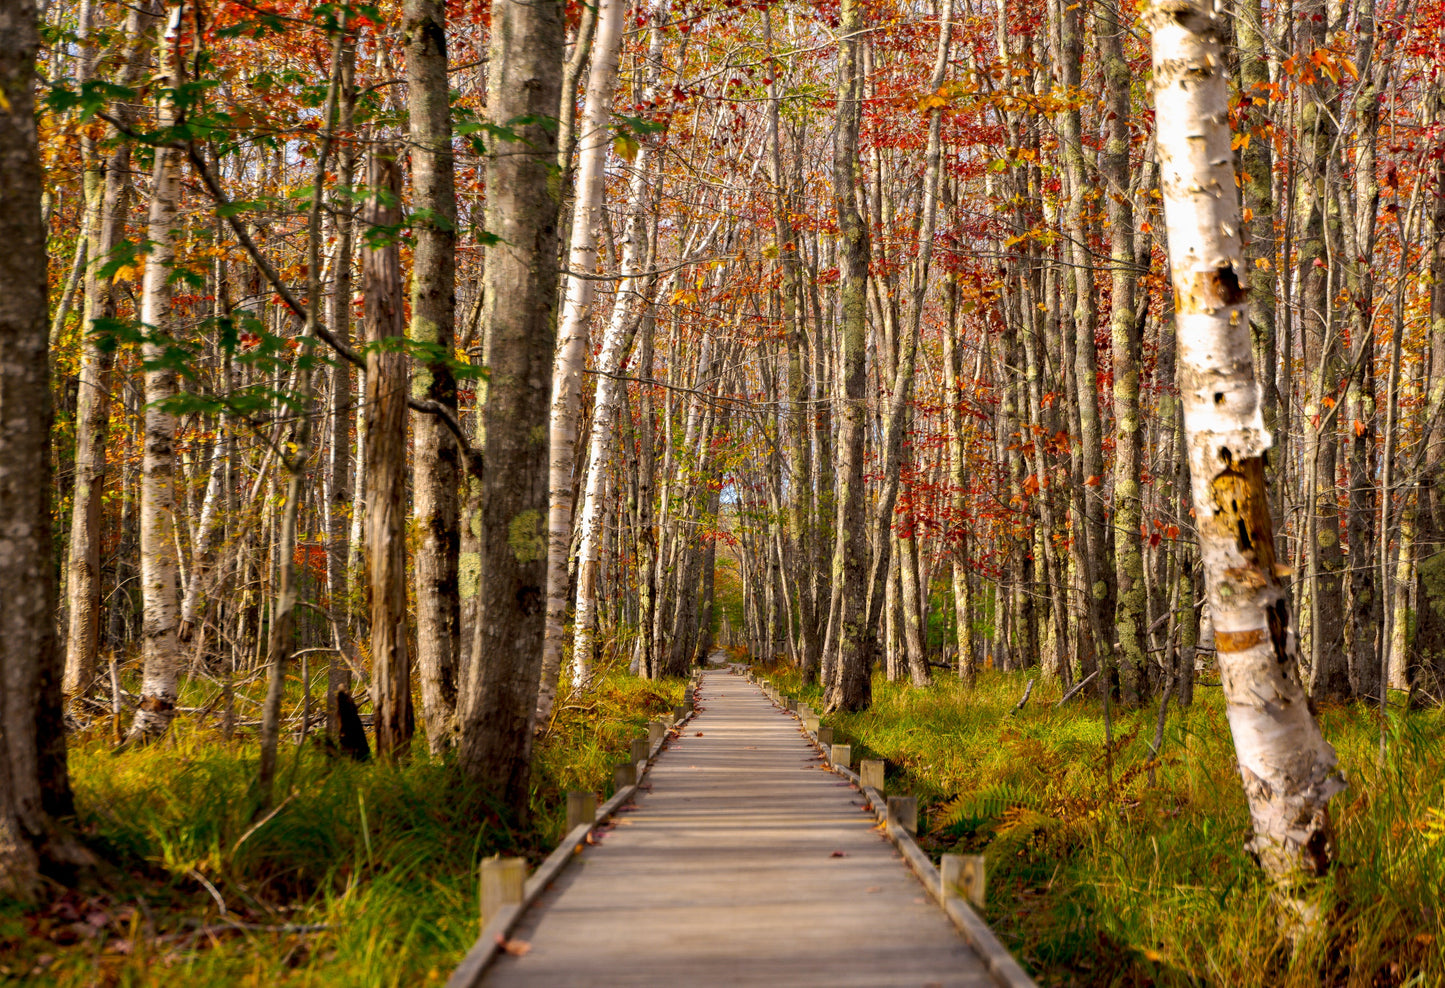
x: 656, y: 731
x: 825, y: 735
x: 678, y: 713
x: 870, y: 773
x: 811, y: 723
x: 639, y: 749
x: 502, y: 880
x: 804, y: 711
x: 903, y: 811
x: 963, y: 876
x: 623, y: 776
x: 581, y: 808
x: 842, y: 755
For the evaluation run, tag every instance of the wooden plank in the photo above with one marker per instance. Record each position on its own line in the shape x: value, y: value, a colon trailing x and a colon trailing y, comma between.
x: 488, y: 946
x: 747, y: 862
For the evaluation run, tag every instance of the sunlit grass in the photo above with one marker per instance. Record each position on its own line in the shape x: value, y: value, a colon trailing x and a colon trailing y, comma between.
x: 366, y: 875
x: 1140, y: 884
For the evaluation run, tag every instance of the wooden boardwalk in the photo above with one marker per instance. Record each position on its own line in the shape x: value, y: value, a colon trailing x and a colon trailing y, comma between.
x: 745, y: 864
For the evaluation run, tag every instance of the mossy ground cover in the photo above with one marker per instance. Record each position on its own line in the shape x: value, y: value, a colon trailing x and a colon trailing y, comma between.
x: 1099, y: 876
x: 365, y: 876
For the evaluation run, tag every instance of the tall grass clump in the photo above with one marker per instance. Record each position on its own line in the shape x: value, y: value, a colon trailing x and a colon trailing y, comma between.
x: 1100, y: 876
x: 365, y: 873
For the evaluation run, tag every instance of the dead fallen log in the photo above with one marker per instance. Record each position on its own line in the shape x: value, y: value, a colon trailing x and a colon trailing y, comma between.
x: 1074, y: 690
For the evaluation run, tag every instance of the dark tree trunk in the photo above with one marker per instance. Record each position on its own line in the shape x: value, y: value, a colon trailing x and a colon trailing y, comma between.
x: 521, y: 280
x: 34, y: 781
x: 433, y: 304
x: 850, y: 652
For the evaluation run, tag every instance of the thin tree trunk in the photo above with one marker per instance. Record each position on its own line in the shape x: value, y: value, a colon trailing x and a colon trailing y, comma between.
x: 1129, y: 607
x: 342, y: 410
x: 849, y: 686
x: 436, y: 458
x: 282, y: 636
x: 92, y: 412
x: 160, y: 648
x: 579, y: 292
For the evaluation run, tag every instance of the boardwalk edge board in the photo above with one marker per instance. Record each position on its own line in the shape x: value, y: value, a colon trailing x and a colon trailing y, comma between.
x: 1005, y: 969
x: 489, y: 944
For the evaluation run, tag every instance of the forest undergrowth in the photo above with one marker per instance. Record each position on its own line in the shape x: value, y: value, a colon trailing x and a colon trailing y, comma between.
x: 1134, y: 882
x: 366, y: 874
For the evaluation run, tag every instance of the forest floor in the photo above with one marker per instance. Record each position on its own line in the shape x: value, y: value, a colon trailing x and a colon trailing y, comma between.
x: 366, y: 875
x: 1100, y: 875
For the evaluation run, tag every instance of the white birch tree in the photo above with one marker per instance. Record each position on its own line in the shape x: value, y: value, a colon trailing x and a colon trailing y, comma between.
x: 160, y: 562
x: 1288, y: 768
x: 572, y: 336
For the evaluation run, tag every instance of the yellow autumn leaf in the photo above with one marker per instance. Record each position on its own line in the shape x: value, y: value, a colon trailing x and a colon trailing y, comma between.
x: 625, y: 147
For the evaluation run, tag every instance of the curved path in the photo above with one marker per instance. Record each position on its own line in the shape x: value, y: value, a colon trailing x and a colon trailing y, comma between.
x: 745, y: 864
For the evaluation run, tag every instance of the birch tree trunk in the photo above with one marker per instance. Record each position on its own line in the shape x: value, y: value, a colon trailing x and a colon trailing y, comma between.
x: 92, y: 411
x: 1288, y: 769
x: 436, y: 458
x: 159, y: 560
x: 524, y: 85
x: 572, y: 340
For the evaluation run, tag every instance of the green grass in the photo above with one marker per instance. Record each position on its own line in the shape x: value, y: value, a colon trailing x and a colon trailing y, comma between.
x: 1140, y: 884
x: 383, y: 858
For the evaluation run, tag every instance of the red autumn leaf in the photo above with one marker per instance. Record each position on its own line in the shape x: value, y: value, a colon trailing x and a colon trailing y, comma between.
x: 514, y: 947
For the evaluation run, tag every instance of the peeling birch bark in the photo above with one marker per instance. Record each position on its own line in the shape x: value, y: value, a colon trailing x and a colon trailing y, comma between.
x: 159, y: 559
x: 572, y: 338
x: 1288, y: 769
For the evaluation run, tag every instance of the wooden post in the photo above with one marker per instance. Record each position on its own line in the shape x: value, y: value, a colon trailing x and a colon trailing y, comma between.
x: 623, y: 776
x: 870, y: 772
x: 825, y: 736
x: 811, y: 723
x: 639, y: 749
x: 678, y: 713
x: 581, y: 808
x: 502, y: 880
x: 656, y: 731
x: 842, y: 755
x: 903, y: 811
x: 804, y: 711
x: 963, y: 876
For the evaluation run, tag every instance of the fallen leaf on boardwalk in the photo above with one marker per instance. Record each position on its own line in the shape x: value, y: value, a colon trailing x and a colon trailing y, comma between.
x: 699, y: 734
x: 751, y: 747
x: 873, y: 888
x: 514, y: 947
x: 839, y: 854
